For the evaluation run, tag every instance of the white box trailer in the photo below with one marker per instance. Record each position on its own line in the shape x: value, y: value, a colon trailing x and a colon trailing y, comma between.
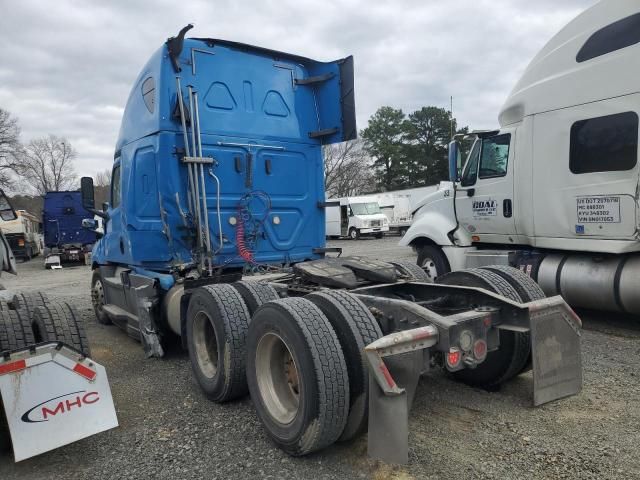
x: 554, y: 190
x: 24, y: 235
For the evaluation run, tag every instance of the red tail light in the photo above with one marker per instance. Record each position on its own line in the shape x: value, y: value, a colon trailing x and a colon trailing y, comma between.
x: 453, y: 358
x: 480, y: 349
x: 20, y: 242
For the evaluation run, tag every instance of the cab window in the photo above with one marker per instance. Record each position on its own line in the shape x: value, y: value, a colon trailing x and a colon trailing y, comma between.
x: 115, y: 187
x: 494, y: 156
x: 471, y: 169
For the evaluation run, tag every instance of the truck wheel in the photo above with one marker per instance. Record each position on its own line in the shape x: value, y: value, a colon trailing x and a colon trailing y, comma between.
x: 433, y: 261
x: 526, y: 286
x: 354, y: 234
x: 97, y: 298
x: 297, y: 375
x: 217, y: 323
x: 255, y: 294
x: 510, y: 359
x: 15, y: 330
x: 411, y: 270
x: 356, y: 328
x: 15, y: 333
x: 403, y: 231
x: 30, y: 302
x: 61, y: 322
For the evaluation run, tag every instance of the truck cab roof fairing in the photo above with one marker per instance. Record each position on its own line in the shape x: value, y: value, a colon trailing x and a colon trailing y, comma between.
x: 557, y: 78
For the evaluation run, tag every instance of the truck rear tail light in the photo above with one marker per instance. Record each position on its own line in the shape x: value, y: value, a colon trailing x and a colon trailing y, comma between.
x: 466, y: 340
x: 480, y: 349
x: 21, y: 242
x: 453, y: 358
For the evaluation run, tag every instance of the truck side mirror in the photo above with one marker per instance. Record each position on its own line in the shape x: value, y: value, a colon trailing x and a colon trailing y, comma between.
x: 455, y: 161
x: 86, y: 189
x: 92, y: 225
x: 7, y: 213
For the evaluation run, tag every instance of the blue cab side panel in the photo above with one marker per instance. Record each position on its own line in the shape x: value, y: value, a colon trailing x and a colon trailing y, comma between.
x: 62, y: 216
x: 264, y: 117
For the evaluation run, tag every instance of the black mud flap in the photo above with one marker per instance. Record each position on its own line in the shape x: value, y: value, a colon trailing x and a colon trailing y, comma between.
x: 389, y: 414
x: 555, y: 348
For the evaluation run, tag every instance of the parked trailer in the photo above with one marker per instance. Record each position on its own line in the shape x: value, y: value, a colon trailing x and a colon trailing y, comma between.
x: 335, y: 345
x: 64, y: 237
x: 51, y: 392
x: 23, y: 235
x: 554, y: 191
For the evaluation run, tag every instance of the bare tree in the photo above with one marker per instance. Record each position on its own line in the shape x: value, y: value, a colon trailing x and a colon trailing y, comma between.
x: 47, y: 164
x: 102, y: 189
x: 103, y: 178
x: 347, y: 169
x: 9, y: 147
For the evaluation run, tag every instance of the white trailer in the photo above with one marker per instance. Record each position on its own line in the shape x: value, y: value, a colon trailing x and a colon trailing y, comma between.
x: 554, y: 190
x: 355, y: 217
x: 398, y: 206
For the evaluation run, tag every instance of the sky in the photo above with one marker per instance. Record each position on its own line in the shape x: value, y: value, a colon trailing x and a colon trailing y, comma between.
x: 66, y: 67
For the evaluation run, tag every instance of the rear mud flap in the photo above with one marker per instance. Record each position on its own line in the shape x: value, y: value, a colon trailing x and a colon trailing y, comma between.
x: 555, y: 348
x: 389, y: 414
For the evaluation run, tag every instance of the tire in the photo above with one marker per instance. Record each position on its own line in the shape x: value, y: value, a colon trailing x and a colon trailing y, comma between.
x: 515, y: 348
x: 4, y: 305
x: 354, y: 234
x: 15, y: 333
x: 356, y: 328
x: 30, y: 301
x: 15, y: 330
x: 433, y: 261
x: 403, y: 231
x: 217, y: 325
x: 61, y: 322
x: 97, y: 298
x: 526, y: 286
x: 411, y: 270
x: 255, y: 294
x: 297, y: 375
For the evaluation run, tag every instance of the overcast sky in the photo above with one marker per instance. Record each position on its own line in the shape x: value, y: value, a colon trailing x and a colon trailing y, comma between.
x: 66, y: 66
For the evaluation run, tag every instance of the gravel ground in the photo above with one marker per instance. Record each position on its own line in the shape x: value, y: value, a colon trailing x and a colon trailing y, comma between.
x: 169, y: 430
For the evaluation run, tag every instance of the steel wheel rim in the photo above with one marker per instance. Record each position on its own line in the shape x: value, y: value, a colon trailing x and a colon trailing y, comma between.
x: 205, y: 343
x: 278, y: 378
x: 98, y: 295
x: 353, y: 234
x: 430, y: 268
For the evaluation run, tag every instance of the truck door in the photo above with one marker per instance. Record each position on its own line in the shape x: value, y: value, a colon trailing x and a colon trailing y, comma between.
x: 484, y: 195
x: 344, y: 220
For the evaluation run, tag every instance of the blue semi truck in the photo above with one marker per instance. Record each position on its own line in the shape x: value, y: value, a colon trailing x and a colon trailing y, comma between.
x: 218, y: 171
x: 65, y: 239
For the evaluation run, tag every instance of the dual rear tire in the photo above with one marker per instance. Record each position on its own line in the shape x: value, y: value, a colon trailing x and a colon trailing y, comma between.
x: 299, y: 358
x: 514, y: 355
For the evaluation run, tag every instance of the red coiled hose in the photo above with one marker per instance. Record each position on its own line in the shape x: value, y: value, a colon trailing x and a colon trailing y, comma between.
x: 244, y: 252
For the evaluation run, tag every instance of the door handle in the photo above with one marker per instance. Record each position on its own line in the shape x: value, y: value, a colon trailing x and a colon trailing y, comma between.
x: 507, y: 208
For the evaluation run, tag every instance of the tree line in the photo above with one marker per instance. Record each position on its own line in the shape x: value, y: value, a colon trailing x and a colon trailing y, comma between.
x: 394, y: 152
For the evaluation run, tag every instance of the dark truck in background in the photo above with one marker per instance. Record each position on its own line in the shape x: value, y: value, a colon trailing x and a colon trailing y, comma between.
x: 64, y: 238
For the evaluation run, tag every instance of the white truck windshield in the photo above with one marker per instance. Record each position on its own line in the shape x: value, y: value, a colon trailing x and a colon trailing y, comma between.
x: 365, y: 208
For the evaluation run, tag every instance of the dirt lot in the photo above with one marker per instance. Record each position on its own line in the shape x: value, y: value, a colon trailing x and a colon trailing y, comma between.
x: 169, y: 430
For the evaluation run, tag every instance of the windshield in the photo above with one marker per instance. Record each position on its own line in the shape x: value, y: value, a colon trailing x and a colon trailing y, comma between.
x: 365, y: 208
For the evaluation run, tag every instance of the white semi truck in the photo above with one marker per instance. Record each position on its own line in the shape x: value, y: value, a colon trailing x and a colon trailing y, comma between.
x: 555, y: 190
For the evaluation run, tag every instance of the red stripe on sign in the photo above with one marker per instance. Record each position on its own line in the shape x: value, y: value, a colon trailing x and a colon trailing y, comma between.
x: 86, y: 372
x: 13, y: 367
x: 387, y: 375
